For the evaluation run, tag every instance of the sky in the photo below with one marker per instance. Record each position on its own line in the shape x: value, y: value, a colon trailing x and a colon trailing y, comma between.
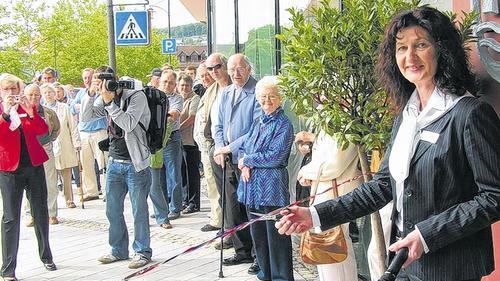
x: 178, y: 16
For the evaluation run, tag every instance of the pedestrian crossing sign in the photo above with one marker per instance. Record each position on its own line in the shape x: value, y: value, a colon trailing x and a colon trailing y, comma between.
x: 131, y: 28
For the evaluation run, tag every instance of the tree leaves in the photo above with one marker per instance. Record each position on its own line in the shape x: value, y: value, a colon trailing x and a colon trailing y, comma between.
x: 330, y: 62
x: 73, y: 36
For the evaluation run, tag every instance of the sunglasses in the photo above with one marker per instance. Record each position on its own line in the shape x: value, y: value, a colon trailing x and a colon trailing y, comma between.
x: 215, y: 67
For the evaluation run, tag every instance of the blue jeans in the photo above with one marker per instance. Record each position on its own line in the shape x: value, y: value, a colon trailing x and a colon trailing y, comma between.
x: 159, y: 195
x: 122, y: 178
x: 172, y: 157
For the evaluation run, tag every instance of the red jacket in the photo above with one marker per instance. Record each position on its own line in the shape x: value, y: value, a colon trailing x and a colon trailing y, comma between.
x: 10, y: 141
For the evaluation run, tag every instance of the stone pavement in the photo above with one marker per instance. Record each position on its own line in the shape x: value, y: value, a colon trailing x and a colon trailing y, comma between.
x: 81, y: 237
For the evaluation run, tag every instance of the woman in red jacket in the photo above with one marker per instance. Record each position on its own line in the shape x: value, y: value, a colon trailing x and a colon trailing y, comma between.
x: 21, y: 159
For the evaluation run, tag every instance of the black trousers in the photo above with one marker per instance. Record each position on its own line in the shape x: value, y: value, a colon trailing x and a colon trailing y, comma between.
x: 12, y: 185
x: 273, y: 251
x: 235, y: 212
x: 191, y: 175
x: 403, y: 276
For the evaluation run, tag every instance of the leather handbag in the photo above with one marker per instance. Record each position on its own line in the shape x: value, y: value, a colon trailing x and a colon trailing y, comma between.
x: 326, y: 247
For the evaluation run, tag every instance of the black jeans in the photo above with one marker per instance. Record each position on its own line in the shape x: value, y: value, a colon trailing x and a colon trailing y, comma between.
x: 12, y: 185
x: 191, y: 175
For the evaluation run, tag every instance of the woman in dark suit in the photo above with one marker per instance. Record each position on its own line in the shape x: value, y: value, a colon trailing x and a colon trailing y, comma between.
x: 441, y: 167
x: 21, y: 167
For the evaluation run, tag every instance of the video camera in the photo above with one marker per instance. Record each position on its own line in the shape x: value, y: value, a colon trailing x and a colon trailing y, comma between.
x: 111, y: 84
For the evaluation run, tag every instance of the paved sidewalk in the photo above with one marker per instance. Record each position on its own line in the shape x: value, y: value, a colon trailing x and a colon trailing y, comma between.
x: 81, y: 237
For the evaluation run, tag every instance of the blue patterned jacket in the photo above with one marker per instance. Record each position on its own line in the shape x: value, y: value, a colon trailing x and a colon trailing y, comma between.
x: 266, y: 152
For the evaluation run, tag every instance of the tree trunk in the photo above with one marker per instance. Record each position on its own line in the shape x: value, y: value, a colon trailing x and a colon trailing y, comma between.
x: 377, y: 231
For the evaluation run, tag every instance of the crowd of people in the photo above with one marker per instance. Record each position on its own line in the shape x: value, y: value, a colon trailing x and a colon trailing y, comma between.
x: 233, y: 129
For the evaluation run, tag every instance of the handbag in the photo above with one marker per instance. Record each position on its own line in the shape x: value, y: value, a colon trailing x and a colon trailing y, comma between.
x: 326, y: 247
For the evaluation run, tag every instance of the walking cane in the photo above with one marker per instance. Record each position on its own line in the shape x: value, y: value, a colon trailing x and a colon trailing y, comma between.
x: 223, y: 195
x: 80, y: 188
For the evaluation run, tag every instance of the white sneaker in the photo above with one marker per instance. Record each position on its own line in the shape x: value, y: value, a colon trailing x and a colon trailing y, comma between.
x: 109, y: 258
x: 138, y: 261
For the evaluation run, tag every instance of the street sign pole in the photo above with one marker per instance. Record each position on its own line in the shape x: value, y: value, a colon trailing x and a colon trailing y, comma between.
x: 111, y: 37
x: 169, y: 35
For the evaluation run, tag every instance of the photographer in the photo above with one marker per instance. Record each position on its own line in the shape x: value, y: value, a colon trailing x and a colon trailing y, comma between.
x: 128, y: 167
x: 21, y: 167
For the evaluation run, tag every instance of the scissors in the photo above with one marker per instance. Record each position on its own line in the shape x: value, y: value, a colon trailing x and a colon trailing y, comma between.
x: 273, y: 216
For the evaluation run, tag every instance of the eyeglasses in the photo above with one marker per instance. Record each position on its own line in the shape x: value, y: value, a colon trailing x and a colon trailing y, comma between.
x: 239, y: 70
x: 215, y: 67
x: 266, y: 97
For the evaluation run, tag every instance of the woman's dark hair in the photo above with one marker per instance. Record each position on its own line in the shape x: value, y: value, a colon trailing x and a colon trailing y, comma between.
x: 453, y: 74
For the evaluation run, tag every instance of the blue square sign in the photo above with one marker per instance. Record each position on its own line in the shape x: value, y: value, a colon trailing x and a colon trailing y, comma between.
x: 131, y: 28
x: 168, y: 46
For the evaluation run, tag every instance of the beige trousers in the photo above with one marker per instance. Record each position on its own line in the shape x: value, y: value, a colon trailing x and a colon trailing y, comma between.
x: 67, y: 188
x: 89, y: 153
x: 212, y: 192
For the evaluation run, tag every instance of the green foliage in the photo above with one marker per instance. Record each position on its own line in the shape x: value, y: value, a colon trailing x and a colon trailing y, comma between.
x: 20, y: 24
x: 465, y: 26
x: 330, y: 62
x: 259, y: 48
x: 72, y: 37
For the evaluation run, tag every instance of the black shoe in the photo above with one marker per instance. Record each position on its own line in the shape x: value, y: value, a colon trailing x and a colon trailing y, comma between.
x: 237, y: 259
x: 190, y: 209
x: 254, y: 268
x: 153, y: 216
x: 226, y: 244
x: 209, y: 227
x: 50, y: 266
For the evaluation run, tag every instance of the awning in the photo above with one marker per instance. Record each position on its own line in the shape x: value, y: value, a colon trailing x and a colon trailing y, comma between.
x: 197, y: 8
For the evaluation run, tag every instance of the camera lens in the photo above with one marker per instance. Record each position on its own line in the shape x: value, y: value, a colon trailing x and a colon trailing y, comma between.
x: 111, y: 85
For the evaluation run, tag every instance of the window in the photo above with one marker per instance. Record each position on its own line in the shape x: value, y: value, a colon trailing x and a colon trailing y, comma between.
x: 223, y: 29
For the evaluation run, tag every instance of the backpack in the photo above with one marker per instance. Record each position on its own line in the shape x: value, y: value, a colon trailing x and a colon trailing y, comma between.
x: 158, y: 106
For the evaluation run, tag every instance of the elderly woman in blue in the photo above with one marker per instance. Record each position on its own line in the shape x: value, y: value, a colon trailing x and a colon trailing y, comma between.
x: 264, y: 180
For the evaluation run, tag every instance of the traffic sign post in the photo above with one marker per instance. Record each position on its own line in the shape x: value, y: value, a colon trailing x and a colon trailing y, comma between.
x: 132, y: 28
x: 169, y: 46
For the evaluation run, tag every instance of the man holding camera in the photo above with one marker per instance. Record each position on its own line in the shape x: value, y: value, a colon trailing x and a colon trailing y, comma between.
x: 128, y: 167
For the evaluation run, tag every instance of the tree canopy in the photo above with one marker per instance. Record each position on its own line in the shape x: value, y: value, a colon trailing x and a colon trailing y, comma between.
x: 70, y: 36
x: 329, y: 69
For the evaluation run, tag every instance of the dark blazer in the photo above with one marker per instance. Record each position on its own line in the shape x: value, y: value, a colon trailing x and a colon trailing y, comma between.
x: 452, y: 194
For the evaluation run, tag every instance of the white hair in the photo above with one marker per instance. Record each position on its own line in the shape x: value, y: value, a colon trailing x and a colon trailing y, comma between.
x: 268, y: 82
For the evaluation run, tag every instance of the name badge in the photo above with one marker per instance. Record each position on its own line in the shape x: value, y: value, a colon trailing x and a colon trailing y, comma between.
x: 23, y: 115
x: 429, y: 136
